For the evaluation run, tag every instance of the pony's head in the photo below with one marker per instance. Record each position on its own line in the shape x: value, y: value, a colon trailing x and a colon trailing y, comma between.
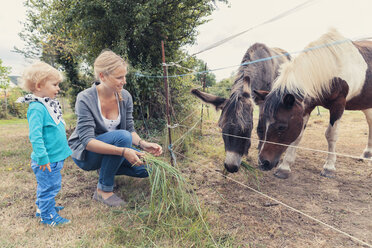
x: 284, y: 122
x: 235, y: 121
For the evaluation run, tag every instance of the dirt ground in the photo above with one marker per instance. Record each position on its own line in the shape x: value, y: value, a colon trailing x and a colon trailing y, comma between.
x: 344, y: 202
x: 236, y: 213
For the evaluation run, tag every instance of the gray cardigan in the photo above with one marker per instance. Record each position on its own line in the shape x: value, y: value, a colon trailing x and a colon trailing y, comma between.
x: 89, y: 120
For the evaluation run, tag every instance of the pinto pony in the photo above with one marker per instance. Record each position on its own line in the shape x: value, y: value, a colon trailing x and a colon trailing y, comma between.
x: 237, y: 111
x: 336, y: 75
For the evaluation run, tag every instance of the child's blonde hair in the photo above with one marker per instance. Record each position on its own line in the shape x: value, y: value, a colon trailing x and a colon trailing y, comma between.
x: 107, y: 62
x: 39, y: 73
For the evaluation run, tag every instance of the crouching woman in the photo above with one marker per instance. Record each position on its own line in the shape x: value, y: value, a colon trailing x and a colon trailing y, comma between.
x: 105, y: 133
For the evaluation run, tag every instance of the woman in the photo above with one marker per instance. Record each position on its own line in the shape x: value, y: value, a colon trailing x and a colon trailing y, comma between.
x: 105, y: 133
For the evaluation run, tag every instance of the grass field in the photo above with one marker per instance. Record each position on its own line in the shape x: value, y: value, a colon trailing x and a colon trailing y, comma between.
x: 166, y: 216
x: 230, y: 215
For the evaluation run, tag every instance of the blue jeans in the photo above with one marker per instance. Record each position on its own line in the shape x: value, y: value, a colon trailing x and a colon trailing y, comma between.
x: 48, y: 186
x: 111, y: 165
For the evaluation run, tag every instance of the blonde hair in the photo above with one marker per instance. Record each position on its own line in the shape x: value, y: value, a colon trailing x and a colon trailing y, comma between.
x: 39, y: 73
x: 107, y: 62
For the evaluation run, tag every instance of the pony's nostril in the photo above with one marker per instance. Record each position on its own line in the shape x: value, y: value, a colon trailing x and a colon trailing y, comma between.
x: 265, y: 165
x: 231, y: 168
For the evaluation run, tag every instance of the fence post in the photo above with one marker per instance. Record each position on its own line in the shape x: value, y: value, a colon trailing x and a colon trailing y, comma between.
x: 203, y: 79
x: 167, y: 100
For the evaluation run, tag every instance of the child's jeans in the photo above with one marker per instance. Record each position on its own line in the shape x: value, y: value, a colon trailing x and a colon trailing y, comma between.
x: 48, y: 186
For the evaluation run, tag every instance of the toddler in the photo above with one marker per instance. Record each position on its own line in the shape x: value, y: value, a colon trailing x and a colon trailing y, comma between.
x: 48, y: 138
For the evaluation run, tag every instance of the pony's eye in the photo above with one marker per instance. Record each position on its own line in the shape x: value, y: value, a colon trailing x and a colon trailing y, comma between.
x: 282, y: 127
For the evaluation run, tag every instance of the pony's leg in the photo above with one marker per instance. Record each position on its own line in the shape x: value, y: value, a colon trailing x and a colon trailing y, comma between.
x: 331, y: 134
x: 284, y: 169
x: 367, y: 153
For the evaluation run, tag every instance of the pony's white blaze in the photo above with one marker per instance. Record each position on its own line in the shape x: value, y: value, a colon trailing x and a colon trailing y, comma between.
x: 311, y: 72
x: 290, y: 154
x: 233, y: 158
x: 268, y: 122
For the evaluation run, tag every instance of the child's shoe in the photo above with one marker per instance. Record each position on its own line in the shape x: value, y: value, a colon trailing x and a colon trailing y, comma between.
x: 57, y: 208
x: 55, y: 221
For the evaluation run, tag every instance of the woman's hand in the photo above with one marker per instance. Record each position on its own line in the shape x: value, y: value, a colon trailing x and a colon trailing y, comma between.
x: 152, y: 148
x: 133, y: 156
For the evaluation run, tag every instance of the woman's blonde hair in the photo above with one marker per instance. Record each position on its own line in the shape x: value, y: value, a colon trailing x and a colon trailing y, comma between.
x: 39, y: 73
x: 107, y: 62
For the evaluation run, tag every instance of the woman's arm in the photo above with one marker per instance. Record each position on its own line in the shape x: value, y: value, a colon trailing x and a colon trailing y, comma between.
x: 100, y: 147
x: 85, y: 128
x: 85, y: 124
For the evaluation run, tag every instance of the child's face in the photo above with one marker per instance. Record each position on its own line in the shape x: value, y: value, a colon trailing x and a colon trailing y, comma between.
x: 49, y: 89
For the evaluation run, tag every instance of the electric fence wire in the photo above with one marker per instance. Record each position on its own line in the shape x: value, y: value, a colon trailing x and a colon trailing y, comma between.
x: 139, y: 74
x: 277, y: 17
x: 278, y: 201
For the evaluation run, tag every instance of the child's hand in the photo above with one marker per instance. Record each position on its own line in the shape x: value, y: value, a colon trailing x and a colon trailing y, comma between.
x: 47, y: 166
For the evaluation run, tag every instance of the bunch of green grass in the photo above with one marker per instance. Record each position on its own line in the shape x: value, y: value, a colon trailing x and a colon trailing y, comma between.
x: 251, y: 172
x: 174, y: 215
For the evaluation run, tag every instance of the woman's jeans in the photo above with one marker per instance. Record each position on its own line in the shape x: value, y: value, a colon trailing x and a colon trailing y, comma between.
x: 48, y: 186
x: 111, y: 165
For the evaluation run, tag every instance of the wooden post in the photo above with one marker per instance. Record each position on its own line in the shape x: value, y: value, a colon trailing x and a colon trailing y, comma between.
x: 166, y: 97
x: 203, y: 80
x: 204, y: 88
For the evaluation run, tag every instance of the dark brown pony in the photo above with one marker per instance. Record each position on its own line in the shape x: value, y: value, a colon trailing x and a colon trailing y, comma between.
x: 337, y: 76
x: 237, y: 111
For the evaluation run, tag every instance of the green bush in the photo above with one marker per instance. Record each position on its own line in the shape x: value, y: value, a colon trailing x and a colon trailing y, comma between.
x: 13, y: 109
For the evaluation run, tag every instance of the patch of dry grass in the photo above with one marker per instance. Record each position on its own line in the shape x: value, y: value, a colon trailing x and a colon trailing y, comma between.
x: 93, y: 224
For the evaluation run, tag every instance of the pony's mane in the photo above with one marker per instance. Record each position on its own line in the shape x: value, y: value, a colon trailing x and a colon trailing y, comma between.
x: 249, y: 69
x: 236, y: 104
x: 236, y: 112
x: 274, y: 99
x: 311, y: 72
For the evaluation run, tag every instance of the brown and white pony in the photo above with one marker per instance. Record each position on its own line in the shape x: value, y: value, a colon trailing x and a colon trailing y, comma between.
x: 237, y: 111
x: 337, y: 76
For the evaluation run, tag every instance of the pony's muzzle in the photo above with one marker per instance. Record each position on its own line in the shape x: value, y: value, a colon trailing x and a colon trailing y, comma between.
x: 265, y: 165
x: 231, y: 168
x: 232, y: 161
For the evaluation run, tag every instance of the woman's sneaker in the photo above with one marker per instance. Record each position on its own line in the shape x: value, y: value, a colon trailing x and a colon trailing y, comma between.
x: 57, y: 208
x: 55, y: 221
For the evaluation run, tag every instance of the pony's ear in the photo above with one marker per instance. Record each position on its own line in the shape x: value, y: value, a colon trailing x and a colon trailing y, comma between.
x: 218, y: 102
x: 260, y: 96
x: 289, y: 100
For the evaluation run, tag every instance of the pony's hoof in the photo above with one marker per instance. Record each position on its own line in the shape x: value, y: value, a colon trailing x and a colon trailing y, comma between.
x: 366, y: 154
x: 328, y: 173
x: 282, y: 174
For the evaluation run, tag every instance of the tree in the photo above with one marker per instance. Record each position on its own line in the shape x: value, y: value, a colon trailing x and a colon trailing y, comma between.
x: 74, y: 33
x: 4, y: 84
x: 48, y: 37
x: 222, y: 88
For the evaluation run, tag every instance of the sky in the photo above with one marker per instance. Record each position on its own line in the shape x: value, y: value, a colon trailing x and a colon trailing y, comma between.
x: 352, y: 18
x: 12, y: 12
